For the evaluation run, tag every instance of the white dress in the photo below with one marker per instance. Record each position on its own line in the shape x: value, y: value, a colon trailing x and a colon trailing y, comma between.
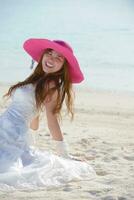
x: 23, y: 166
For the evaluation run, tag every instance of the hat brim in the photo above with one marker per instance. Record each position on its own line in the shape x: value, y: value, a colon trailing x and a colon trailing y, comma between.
x: 35, y: 48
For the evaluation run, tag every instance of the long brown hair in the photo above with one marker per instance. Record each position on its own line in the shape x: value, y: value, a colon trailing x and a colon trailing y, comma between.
x: 62, y: 84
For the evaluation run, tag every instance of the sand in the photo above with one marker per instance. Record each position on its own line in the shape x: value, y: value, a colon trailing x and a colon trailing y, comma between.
x: 103, y: 133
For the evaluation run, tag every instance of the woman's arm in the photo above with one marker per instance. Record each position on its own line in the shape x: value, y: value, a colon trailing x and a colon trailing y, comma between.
x: 53, y: 126
x: 34, y: 124
x: 60, y: 145
x: 52, y: 121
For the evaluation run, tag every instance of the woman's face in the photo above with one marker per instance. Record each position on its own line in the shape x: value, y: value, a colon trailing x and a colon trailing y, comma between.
x: 52, y: 61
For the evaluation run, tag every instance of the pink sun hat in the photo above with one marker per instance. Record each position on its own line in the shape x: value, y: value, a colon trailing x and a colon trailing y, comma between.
x: 36, y: 46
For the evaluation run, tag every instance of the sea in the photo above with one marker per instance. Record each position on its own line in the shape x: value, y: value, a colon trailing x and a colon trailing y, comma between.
x: 101, y: 33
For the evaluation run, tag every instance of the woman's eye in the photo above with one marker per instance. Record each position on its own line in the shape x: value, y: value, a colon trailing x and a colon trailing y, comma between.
x: 49, y: 53
x: 58, y: 59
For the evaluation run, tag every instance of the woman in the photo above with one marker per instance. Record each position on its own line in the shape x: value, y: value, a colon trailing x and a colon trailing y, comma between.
x: 22, y: 166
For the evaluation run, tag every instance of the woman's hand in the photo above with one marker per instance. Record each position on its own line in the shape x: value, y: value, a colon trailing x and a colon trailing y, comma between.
x: 61, y: 148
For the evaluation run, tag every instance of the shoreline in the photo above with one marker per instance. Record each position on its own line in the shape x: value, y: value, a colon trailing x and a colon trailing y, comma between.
x: 86, y: 88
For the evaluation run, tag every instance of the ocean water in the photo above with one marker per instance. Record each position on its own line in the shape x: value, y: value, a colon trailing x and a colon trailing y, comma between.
x: 100, y: 31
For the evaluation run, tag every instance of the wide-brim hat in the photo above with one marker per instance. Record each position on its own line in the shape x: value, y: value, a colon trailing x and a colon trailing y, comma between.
x: 36, y: 46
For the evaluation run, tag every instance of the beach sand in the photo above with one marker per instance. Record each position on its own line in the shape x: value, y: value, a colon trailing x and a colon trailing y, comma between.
x: 103, y: 133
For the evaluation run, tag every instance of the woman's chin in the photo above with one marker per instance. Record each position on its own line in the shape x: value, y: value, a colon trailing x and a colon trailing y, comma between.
x: 47, y: 70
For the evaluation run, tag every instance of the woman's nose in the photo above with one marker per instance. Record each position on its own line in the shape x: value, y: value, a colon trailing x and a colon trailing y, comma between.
x: 52, y: 58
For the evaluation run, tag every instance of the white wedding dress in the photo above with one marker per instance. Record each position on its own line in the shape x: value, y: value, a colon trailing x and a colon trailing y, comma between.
x: 23, y: 166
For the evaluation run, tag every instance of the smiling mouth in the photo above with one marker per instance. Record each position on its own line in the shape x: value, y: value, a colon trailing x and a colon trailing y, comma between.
x: 49, y: 65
